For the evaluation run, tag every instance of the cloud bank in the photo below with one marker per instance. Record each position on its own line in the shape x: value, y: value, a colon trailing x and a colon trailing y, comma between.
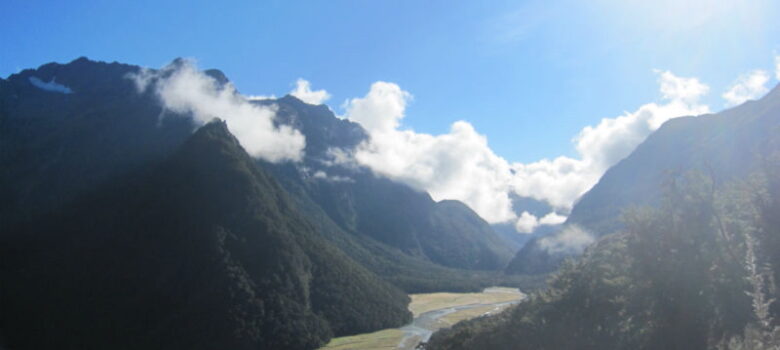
x: 748, y: 86
x: 460, y: 164
x: 304, y: 93
x: 183, y: 89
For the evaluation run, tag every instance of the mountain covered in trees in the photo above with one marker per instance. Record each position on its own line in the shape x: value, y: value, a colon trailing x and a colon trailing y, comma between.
x: 692, y: 265
x: 204, y: 250
x: 55, y: 146
x: 447, y: 233
x: 726, y: 146
x: 127, y: 225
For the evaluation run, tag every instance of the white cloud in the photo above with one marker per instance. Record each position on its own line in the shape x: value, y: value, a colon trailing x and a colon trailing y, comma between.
x: 526, y: 223
x: 260, y: 97
x: 52, y: 86
x: 562, y: 180
x: 552, y: 218
x: 571, y: 240
x: 304, y: 93
x: 686, y: 90
x: 321, y: 175
x: 183, y: 89
x: 381, y: 110
x: 460, y: 164
x: 748, y: 86
x: 457, y: 165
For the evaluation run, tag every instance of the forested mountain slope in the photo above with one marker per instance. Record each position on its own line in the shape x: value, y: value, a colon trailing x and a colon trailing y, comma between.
x: 725, y: 146
x: 383, y: 210
x: 695, y: 270
x: 203, y: 251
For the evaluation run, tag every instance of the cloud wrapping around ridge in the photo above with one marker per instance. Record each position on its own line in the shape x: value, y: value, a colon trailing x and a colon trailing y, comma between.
x: 460, y: 165
x: 748, y: 86
x: 304, y: 93
x: 183, y: 89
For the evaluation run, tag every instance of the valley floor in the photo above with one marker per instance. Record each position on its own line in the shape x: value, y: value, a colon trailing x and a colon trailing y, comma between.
x: 432, y: 311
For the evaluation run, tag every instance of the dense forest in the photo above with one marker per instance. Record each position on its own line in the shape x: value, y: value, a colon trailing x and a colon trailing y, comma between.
x: 129, y: 225
x: 55, y: 148
x: 697, y: 271
x: 201, y: 251
x: 131, y: 222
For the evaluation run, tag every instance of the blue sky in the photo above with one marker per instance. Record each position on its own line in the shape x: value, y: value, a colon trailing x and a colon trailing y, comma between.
x: 527, y: 74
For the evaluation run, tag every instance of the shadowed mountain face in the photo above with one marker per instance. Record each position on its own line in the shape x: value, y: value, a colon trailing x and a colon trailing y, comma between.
x: 726, y: 146
x: 383, y: 210
x: 55, y: 146
x: 205, y: 251
x: 122, y: 228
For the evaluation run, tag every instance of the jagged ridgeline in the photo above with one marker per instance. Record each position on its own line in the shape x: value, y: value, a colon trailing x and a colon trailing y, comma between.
x: 447, y: 233
x: 727, y: 146
x: 56, y: 146
x: 124, y: 224
x: 696, y: 267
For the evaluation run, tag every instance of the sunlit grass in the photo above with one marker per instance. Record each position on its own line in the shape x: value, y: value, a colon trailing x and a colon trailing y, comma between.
x: 455, y: 317
x: 384, y: 339
x: 422, y: 303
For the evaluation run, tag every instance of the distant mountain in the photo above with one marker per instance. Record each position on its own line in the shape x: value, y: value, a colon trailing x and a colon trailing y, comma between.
x: 120, y: 221
x: 727, y: 146
x: 206, y: 251
x: 56, y: 145
x: 694, y: 269
x: 384, y: 210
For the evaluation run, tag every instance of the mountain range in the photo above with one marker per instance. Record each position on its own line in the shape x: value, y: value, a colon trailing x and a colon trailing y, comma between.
x: 126, y: 224
x: 685, y: 250
x: 726, y: 146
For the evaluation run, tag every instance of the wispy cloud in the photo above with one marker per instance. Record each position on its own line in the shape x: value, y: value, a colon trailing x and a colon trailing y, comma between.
x: 182, y: 88
x: 260, y: 97
x: 571, y: 240
x: 51, y: 86
x: 304, y: 92
x: 749, y: 86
